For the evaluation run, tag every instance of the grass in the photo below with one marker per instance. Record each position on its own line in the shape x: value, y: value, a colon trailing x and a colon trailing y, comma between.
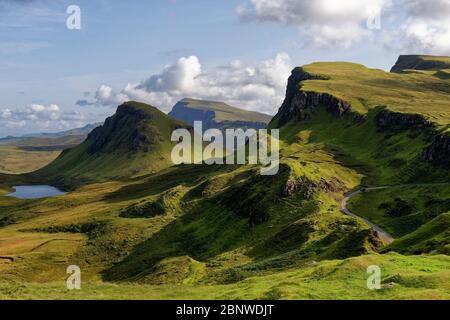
x: 367, y: 88
x: 414, y: 277
x: 225, y: 232
x: 421, y: 204
x: 134, y: 142
x: 15, y: 160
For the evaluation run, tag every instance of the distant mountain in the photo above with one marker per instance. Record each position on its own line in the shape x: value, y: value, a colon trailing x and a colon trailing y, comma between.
x: 421, y: 62
x: 134, y: 141
x: 51, y: 141
x: 218, y: 115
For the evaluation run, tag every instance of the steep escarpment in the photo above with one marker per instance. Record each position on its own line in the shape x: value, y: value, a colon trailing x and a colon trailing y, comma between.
x: 299, y: 104
x: 392, y: 121
x: 359, y: 95
x: 218, y: 115
x: 134, y: 141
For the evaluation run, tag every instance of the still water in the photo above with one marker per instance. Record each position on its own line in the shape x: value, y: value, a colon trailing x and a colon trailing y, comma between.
x: 35, y: 192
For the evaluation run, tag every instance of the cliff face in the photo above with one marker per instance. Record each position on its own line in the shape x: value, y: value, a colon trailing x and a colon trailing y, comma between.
x: 299, y: 104
x: 392, y: 121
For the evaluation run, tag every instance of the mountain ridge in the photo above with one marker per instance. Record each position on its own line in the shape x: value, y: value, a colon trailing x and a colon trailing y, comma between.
x: 218, y: 115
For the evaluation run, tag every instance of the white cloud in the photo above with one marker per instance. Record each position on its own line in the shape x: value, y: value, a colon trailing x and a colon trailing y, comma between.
x: 180, y: 76
x: 419, y: 26
x: 40, y: 117
x: 321, y: 22
x: 427, y: 28
x: 258, y: 87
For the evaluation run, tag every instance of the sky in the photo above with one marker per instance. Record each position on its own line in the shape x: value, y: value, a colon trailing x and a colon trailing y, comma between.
x: 54, y: 78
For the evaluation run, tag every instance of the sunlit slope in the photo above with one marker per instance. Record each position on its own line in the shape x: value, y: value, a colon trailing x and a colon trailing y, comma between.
x: 414, y: 277
x: 135, y: 141
x: 365, y: 89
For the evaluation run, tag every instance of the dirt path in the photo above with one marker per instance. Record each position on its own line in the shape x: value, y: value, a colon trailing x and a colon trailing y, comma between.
x: 384, y: 235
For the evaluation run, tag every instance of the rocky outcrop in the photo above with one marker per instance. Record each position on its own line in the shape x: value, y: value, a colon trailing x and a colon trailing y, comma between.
x: 300, y: 104
x: 307, y: 188
x: 396, y: 121
x: 438, y: 152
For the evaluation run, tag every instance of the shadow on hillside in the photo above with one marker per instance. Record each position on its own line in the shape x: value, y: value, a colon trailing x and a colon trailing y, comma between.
x: 187, y: 175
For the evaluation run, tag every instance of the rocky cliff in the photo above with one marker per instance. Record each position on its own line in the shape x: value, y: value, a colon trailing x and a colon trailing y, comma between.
x: 396, y: 121
x: 299, y: 104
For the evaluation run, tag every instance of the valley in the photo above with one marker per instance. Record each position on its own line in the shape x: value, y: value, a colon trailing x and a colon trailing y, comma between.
x: 140, y: 227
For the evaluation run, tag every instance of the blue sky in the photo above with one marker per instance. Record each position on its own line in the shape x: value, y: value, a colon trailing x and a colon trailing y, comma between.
x: 239, y: 51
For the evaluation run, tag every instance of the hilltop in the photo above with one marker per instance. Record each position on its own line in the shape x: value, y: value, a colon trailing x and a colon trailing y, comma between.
x: 218, y: 115
x: 133, y: 142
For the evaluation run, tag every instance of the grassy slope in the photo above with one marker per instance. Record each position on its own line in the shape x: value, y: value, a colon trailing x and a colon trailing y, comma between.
x: 432, y: 237
x: 79, y: 166
x: 367, y: 88
x: 14, y: 160
x: 427, y: 203
x: 403, y: 277
x: 212, y: 208
x: 225, y: 112
x: 86, y: 227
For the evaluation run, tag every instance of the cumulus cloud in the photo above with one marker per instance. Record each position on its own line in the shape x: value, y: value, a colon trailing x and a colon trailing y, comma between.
x: 407, y: 25
x: 40, y: 117
x: 321, y: 22
x: 258, y: 87
x: 427, y: 28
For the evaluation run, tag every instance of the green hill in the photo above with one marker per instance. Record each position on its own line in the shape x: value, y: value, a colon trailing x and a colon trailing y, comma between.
x: 135, y: 141
x: 217, y: 115
x: 227, y: 232
x: 432, y: 237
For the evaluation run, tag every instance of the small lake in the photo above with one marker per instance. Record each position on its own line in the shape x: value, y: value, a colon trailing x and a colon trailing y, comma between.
x: 35, y: 192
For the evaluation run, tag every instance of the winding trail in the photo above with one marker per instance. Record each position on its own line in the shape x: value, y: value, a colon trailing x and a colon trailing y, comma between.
x: 383, y: 234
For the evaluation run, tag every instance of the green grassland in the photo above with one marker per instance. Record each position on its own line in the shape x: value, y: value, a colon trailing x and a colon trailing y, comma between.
x: 402, y: 210
x: 415, y: 277
x: 226, y: 232
x: 364, y: 88
x: 15, y: 160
